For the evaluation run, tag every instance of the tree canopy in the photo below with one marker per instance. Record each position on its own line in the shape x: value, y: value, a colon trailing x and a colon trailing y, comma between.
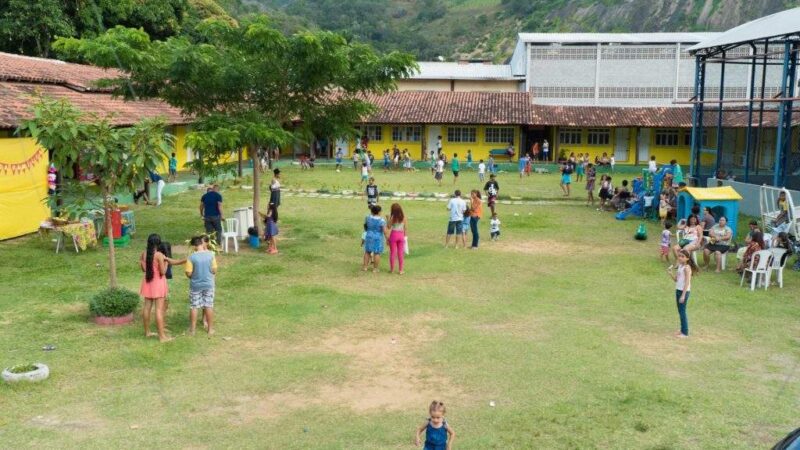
x: 249, y: 82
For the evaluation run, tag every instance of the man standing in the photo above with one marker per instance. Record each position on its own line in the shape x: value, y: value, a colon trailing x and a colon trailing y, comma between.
x: 546, y: 151
x: 211, y: 211
x: 456, y: 206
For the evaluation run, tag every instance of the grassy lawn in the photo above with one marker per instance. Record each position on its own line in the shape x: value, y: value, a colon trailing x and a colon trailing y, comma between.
x: 566, y: 324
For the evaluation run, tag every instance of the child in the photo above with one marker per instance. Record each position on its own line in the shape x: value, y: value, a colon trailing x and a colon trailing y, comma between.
x: 386, y: 160
x: 606, y: 192
x: 665, y: 241
x: 613, y: 162
x: 652, y: 165
x: 591, y: 175
x: 490, y: 165
x: 173, y: 168
x: 271, y: 228
x: 492, y: 189
x: 465, y: 223
x: 364, y: 172
x: 663, y: 206
x: 339, y: 155
x: 367, y: 256
x: 201, y: 267
x: 469, y: 159
x: 494, y: 227
x: 455, y: 166
x: 566, y: 177
x: 683, y: 286
x: 438, y: 434
x: 579, y: 167
x: 372, y: 193
x: 481, y: 170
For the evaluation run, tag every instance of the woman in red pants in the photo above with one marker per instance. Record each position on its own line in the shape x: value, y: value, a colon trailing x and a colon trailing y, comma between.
x: 397, y: 233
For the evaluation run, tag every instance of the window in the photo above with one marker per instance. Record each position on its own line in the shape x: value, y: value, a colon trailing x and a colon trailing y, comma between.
x: 569, y: 136
x: 406, y: 134
x: 687, y: 139
x: 499, y: 135
x: 373, y: 132
x: 667, y: 138
x: 599, y: 136
x: 461, y: 134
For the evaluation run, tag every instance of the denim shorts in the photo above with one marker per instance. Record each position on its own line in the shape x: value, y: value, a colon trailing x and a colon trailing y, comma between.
x: 454, y: 227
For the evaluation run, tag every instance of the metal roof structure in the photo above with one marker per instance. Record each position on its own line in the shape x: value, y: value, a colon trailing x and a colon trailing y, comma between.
x: 776, y: 25
x: 622, y: 38
x: 462, y: 71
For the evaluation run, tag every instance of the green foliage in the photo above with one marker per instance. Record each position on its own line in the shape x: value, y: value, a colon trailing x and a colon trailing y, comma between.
x: 22, y: 368
x: 28, y: 27
x: 113, y: 303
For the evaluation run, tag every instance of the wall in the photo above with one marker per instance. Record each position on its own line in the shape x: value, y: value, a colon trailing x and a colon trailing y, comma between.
x: 423, y: 85
x: 592, y: 150
x: 487, y: 86
x: 480, y: 148
x: 21, y: 194
x: 378, y: 146
x: 751, y: 204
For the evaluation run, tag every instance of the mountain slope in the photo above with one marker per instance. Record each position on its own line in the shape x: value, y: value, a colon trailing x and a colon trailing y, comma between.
x: 486, y: 29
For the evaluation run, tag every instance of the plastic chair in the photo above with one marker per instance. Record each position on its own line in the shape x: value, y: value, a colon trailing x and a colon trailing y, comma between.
x: 761, y: 270
x: 230, y: 231
x: 767, y: 240
x: 776, y: 266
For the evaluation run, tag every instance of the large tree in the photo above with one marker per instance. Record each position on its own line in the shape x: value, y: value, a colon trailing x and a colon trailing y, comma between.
x: 119, y: 159
x: 249, y: 82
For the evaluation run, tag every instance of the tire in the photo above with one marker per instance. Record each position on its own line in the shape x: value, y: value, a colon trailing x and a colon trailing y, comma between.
x: 42, y: 372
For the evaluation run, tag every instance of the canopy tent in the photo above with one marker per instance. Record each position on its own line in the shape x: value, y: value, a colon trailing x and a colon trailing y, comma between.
x: 23, y: 187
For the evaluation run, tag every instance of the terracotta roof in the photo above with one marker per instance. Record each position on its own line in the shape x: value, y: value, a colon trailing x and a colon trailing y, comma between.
x: 605, y: 116
x: 420, y: 107
x: 16, y: 100
x: 51, y: 71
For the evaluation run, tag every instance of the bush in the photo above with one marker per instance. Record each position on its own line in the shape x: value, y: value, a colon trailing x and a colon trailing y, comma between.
x: 113, y: 303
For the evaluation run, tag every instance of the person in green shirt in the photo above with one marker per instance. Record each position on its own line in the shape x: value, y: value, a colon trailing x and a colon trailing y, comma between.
x: 455, y: 165
x: 173, y: 168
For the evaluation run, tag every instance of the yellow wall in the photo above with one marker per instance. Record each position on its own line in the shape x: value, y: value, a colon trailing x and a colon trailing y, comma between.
x: 22, y: 195
x: 583, y: 147
x: 378, y: 146
x: 423, y: 85
x: 665, y: 154
x: 480, y: 148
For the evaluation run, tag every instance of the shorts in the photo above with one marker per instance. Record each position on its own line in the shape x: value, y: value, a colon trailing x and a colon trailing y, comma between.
x: 173, y: 171
x: 465, y: 225
x: 713, y: 248
x: 201, y: 299
x: 684, y: 242
x: 455, y: 173
x: 338, y: 160
x: 566, y: 179
x: 492, y: 200
x: 494, y: 234
x: 664, y: 250
x: 454, y: 226
x: 364, y: 177
x: 438, y: 175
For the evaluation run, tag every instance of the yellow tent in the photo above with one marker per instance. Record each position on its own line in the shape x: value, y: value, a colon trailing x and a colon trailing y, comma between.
x: 23, y: 187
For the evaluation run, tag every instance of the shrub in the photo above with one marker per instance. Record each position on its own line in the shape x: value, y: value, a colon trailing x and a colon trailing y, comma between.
x: 113, y: 303
x: 22, y: 368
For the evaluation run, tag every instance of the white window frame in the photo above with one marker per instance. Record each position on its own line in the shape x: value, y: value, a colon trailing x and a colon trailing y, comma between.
x: 598, y: 136
x: 499, y: 135
x: 467, y: 135
x: 666, y: 137
x: 570, y: 136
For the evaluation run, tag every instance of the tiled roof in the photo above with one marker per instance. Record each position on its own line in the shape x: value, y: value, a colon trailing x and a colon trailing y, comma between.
x: 16, y: 100
x: 22, y: 77
x: 421, y: 107
x: 606, y: 116
x: 51, y: 71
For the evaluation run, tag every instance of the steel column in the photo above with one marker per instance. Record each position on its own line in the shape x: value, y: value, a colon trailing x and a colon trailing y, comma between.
x: 697, y: 115
x: 784, y: 135
x: 720, y: 114
x: 750, y: 94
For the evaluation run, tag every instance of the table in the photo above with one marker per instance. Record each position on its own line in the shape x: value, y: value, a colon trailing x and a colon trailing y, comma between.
x: 83, y: 234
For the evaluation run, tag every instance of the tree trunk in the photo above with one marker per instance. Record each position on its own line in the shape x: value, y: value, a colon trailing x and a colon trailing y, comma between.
x: 201, y: 168
x: 112, y: 260
x: 240, y: 163
x: 256, y: 187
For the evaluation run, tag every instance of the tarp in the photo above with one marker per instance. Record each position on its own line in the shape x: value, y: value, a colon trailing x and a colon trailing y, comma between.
x: 716, y: 193
x: 23, y: 187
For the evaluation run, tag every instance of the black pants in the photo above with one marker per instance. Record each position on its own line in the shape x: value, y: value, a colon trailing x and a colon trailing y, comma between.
x: 214, y: 223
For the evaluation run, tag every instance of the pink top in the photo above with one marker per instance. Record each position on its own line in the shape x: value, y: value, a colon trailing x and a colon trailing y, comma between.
x: 155, y: 288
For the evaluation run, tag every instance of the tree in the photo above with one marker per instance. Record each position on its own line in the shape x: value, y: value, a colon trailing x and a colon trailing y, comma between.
x: 118, y: 158
x: 250, y: 82
x: 29, y: 27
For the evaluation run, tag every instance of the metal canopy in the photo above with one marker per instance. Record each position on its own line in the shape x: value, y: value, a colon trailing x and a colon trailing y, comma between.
x: 780, y: 24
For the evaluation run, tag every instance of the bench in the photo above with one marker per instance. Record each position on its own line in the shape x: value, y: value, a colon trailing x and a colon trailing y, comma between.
x: 495, y: 152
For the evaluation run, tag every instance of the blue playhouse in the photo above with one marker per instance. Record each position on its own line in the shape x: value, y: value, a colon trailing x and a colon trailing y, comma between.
x: 723, y: 201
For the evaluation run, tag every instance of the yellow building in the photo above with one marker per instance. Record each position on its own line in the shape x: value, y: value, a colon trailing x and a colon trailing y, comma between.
x: 23, y: 165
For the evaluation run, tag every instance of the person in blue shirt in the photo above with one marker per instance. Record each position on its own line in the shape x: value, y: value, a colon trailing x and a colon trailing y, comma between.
x: 156, y: 178
x: 201, y: 267
x: 211, y: 211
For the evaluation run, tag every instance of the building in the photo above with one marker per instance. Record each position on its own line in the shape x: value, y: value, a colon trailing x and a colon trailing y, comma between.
x: 463, y: 76
x: 23, y: 166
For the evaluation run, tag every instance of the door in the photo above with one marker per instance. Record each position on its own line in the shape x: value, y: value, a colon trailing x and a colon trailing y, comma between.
x: 621, y: 145
x: 644, y: 145
x: 434, y: 131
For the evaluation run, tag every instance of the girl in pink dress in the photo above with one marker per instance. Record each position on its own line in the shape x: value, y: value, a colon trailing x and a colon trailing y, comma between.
x: 154, y: 286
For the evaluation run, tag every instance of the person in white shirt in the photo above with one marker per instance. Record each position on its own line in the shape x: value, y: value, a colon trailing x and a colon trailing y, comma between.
x: 457, y: 206
x: 613, y: 163
x: 439, y: 171
x: 652, y: 166
x: 546, y: 150
x: 481, y: 170
x: 494, y: 227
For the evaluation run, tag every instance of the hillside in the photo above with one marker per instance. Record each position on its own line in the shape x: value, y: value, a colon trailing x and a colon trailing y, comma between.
x: 486, y: 29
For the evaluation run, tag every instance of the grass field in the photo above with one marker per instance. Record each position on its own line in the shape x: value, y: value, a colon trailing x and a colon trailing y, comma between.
x: 566, y: 324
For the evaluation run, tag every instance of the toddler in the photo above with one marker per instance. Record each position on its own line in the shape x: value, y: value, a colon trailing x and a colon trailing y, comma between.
x: 438, y: 434
x: 367, y: 256
x: 665, y: 240
x: 494, y: 227
x: 465, y: 223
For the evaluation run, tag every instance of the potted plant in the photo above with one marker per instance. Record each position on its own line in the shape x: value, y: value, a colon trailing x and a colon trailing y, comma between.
x: 26, y: 372
x: 113, y: 306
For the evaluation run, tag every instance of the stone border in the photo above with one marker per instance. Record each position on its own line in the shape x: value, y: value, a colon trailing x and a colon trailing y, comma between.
x: 42, y: 372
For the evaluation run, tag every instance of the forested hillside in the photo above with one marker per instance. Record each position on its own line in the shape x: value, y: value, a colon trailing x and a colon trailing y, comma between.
x: 451, y: 29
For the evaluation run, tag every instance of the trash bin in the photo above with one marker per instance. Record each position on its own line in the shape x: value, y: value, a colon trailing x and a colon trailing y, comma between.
x: 116, y: 223
x: 245, y: 218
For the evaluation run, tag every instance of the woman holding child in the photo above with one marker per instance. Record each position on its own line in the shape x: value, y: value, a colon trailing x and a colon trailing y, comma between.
x: 719, y: 242
x: 692, y: 236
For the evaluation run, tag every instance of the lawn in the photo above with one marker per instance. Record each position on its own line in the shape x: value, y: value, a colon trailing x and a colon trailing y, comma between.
x: 566, y: 324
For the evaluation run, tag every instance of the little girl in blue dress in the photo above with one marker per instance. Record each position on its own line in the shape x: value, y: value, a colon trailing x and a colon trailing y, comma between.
x: 438, y: 434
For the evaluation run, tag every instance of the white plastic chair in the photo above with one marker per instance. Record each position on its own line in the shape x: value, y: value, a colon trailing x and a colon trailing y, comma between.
x: 767, y: 240
x: 230, y: 231
x: 776, y: 266
x: 760, y: 271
